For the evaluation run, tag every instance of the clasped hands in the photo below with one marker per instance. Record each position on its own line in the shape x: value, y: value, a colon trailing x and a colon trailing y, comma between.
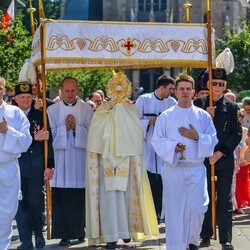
x: 70, y: 122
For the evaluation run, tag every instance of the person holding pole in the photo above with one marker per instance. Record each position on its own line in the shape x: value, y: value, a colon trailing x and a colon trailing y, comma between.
x: 183, y: 136
x: 14, y: 139
x: 29, y: 216
x: 229, y: 132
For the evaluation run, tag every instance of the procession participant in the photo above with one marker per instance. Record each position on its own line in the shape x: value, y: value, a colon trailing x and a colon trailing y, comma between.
x: 69, y: 121
x: 184, y: 178
x: 29, y: 216
x: 38, y: 103
x: 149, y: 107
x: 229, y: 132
x: 14, y: 139
x: 246, y: 112
x: 201, y: 87
x: 119, y: 202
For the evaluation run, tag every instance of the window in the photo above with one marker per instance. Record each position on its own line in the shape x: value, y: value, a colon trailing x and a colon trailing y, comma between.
x: 145, y: 5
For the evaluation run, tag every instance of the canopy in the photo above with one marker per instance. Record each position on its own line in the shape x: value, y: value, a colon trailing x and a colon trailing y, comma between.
x: 85, y: 45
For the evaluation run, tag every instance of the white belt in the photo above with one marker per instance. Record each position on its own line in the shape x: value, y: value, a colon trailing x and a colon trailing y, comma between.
x: 17, y: 171
x: 6, y: 163
x: 189, y: 165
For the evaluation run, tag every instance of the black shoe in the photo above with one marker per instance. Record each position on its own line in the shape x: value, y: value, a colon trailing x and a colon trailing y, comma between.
x: 64, y: 242
x: 205, y: 242
x: 227, y: 246
x: 81, y: 239
x: 126, y: 240
x: 193, y: 247
x: 111, y: 245
x: 40, y: 242
x: 25, y: 246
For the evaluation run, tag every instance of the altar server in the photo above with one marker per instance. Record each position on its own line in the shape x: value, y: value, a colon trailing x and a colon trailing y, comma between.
x: 14, y: 139
x: 184, y: 178
x: 149, y: 107
x: 69, y: 121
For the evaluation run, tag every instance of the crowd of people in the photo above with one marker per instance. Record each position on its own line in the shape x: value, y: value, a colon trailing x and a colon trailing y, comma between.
x: 117, y: 170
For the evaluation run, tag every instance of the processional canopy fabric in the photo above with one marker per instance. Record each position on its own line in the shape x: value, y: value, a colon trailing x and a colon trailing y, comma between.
x: 99, y: 45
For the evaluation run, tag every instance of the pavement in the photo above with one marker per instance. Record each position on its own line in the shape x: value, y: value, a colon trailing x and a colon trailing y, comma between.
x: 241, y: 238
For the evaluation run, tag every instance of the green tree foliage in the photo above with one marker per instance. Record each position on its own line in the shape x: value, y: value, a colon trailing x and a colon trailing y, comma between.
x: 239, y: 45
x: 13, y: 51
x: 89, y: 81
x: 51, y: 11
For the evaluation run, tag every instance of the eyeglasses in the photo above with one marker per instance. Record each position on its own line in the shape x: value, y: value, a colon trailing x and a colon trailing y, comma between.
x: 221, y: 84
x: 98, y: 101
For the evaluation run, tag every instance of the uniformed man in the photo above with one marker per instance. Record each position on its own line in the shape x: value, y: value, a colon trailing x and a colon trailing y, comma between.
x: 201, y: 87
x: 31, y: 207
x: 229, y: 133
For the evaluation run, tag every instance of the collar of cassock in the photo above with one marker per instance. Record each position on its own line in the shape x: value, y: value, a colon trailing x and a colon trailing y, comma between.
x: 157, y: 97
x: 70, y: 104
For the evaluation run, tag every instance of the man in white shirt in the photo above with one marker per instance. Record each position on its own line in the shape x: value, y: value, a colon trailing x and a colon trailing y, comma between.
x: 184, y: 174
x: 149, y: 107
x: 14, y: 139
x: 69, y: 121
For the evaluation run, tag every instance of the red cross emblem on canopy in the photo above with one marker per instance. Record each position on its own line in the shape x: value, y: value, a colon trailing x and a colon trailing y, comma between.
x: 128, y: 45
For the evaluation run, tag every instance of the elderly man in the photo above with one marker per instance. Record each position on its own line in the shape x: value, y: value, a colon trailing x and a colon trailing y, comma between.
x: 14, y: 139
x: 229, y: 132
x: 96, y: 98
x: 149, y: 107
x: 184, y: 135
x: 29, y: 216
x: 69, y: 122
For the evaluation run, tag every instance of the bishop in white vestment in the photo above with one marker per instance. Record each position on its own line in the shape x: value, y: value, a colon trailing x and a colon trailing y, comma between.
x: 14, y: 141
x: 184, y: 180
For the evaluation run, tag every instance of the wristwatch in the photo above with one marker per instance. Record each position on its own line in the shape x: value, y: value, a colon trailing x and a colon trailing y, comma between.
x: 196, y: 139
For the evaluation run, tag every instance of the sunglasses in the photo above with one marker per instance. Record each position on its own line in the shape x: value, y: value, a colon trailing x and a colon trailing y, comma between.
x: 221, y: 84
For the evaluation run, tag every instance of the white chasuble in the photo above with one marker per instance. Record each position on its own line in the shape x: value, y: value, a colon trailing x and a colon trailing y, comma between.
x: 116, y: 214
x: 184, y: 181
x: 69, y: 146
x: 149, y: 104
x: 15, y: 141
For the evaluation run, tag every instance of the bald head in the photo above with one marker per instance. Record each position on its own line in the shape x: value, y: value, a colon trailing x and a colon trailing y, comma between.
x: 69, y: 89
x: 231, y: 96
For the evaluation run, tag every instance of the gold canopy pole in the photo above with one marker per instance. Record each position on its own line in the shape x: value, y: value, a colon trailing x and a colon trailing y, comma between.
x: 187, y: 5
x: 45, y: 122
x: 213, y: 177
x: 31, y: 10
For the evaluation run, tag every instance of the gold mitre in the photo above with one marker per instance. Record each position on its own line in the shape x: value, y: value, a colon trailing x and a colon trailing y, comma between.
x: 119, y: 88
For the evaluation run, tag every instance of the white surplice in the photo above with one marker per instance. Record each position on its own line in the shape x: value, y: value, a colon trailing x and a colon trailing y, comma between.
x: 184, y: 181
x: 69, y: 146
x: 150, y: 104
x: 15, y: 141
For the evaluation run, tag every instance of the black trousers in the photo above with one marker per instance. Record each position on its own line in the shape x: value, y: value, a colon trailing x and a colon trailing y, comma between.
x: 68, y: 213
x: 224, y: 208
x: 30, y: 210
x: 155, y: 181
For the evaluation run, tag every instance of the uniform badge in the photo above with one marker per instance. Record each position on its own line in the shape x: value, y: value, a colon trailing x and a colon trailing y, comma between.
x: 36, y: 127
x: 225, y: 126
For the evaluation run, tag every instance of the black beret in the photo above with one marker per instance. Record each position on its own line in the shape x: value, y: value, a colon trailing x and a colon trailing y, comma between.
x: 218, y: 73
x: 23, y: 88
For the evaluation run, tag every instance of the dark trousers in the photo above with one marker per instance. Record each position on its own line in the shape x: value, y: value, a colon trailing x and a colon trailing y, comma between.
x: 224, y: 208
x: 68, y: 213
x: 30, y: 209
x: 155, y: 181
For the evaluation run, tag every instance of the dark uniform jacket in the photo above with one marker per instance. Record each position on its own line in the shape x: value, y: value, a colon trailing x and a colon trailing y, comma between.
x: 228, y: 130
x: 32, y: 162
